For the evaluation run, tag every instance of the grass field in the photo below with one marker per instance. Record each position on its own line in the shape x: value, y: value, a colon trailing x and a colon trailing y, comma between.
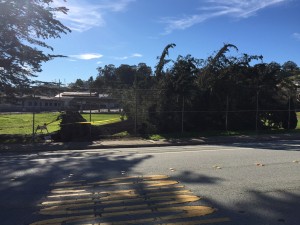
x: 23, y: 123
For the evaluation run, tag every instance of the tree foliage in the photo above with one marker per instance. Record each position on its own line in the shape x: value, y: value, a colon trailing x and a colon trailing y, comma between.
x: 163, y: 61
x: 221, y: 92
x: 24, y: 27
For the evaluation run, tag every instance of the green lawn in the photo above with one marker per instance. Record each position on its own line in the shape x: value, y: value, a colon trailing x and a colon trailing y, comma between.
x: 298, y: 117
x: 100, y: 119
x: 23, y: 123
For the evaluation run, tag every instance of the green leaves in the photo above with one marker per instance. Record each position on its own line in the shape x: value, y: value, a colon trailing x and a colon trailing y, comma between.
x: 24, y: 25
x: 163, y: 61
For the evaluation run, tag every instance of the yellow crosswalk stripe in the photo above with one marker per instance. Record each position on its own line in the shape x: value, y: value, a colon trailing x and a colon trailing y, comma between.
x: 154, y: 198
x: 69, y: 209
x: 198, y: 222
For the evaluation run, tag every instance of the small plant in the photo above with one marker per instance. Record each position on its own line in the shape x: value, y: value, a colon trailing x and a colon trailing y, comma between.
x: 155, y: 137
x: 122, y: 134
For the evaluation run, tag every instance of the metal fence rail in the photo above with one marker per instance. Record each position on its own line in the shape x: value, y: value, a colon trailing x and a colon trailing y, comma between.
x: 27, y: 115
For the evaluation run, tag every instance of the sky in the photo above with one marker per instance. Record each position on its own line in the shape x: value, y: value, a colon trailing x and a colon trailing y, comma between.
x: 136, y: 31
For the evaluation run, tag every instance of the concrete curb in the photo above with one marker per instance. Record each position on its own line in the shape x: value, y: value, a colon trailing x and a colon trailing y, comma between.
x: 138, y: 142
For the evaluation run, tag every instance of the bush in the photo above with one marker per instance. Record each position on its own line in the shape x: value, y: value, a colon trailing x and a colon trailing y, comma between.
x: 73, y: 127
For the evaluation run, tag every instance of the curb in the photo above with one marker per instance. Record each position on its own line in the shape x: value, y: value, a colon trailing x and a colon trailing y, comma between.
x: 139, y: 143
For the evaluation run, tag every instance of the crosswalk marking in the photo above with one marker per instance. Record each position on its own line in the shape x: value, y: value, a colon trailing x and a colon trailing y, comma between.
x: 146, y: 199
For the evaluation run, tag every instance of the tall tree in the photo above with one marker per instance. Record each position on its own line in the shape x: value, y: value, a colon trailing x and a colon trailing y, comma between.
x: 163, y: 61
x: 126, y: 75
x: 106, y: 77
x: 143, y: 76
x: 79, y: 84
x: 290, y: 66
x: 24, y: 27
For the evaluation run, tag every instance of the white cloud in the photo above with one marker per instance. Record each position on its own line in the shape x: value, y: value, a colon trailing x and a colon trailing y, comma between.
x: 121, y: 58
x: 217, y: 8
x: 182, y: 23
x: 135, y: 55
x: 239, y: 8
x: 296, y: 36
x: 83, y: 16
x: 116, y: 6
x: 72, y: 60
x: 87, y: 56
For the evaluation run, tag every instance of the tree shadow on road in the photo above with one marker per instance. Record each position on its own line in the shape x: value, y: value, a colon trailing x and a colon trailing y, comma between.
x: 276, y: 207
x: 191, y: 177
x: 279, y: 145
x: 252, y: 207
x: 26, y: 179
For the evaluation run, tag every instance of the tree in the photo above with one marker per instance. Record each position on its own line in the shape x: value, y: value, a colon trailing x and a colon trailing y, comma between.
x: 126, y: 75
x: 162, y: 61
x: 24, y: 25
x: 177, y: 91
x: 78, y: 84
x: 106, y: 77
x: 290, y: 66
x: 144, y: 76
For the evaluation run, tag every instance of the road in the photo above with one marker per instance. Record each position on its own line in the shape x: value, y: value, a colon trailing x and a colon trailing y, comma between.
x: 237, y: 183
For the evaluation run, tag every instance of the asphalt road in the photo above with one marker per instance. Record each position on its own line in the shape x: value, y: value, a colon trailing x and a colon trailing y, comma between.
x: 237, y: 183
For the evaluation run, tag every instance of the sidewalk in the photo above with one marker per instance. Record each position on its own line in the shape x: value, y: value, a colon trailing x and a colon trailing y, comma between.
x: 140, y: 142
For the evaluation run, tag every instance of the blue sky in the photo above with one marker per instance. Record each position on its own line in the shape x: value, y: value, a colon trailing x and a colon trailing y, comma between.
x: 133, y: 31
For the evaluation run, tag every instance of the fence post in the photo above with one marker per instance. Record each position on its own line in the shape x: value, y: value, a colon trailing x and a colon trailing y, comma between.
x: 59, y: 95
x: 90, y: 104
x: 33, y: 125
x: 135, y: 117
x: 256, y: 122
x: 226, y: 116
x: 289, y: 116
x: 182, y: 116
x: 90, y: 112
x: 33, y: 118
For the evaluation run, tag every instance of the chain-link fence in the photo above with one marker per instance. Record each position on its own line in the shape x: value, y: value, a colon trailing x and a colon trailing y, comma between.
x: 116, y: 112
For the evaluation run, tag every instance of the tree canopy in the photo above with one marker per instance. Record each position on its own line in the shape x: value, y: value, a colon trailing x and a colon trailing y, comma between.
x: 24, y: 27
x: 223, y: 91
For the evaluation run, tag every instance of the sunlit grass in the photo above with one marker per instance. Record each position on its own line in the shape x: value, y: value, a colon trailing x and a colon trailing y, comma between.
x: 23, y: 123
x: 298, y: 117
x: 101, y: 119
